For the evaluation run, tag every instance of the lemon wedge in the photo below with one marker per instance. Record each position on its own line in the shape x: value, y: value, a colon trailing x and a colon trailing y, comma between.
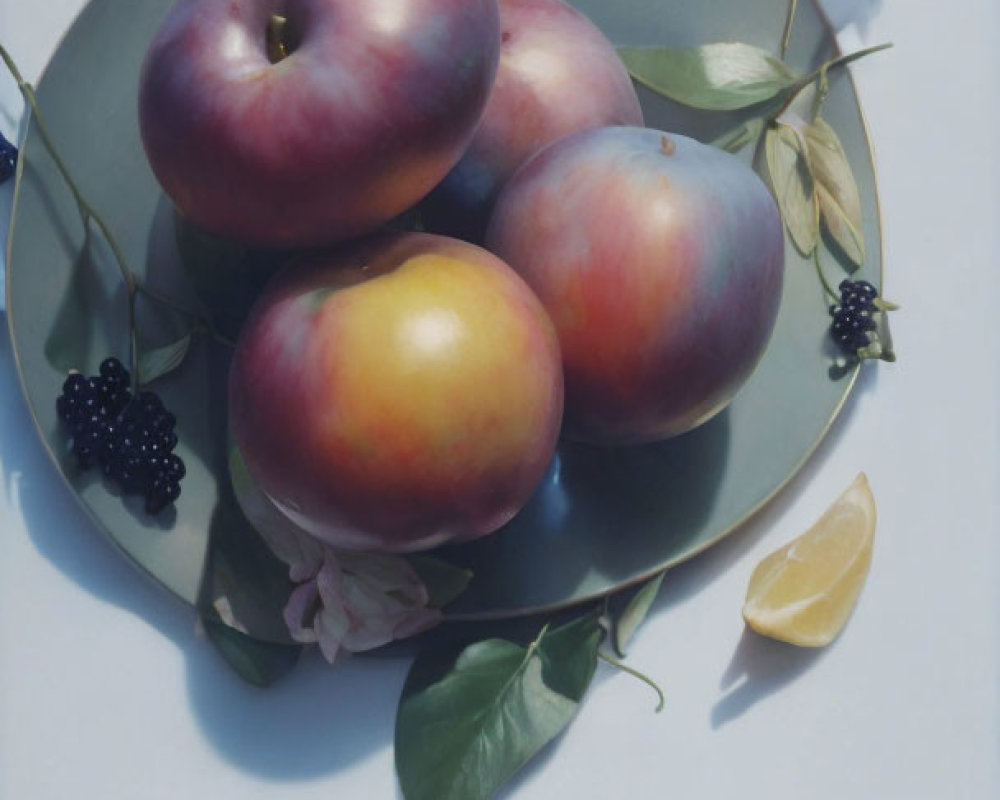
x: 804, y: 592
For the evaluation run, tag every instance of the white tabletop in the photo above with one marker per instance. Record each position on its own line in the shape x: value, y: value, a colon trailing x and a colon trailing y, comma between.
x: 107, y: 691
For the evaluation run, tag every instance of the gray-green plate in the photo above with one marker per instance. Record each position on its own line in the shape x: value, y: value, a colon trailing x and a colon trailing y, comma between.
x: 603, y: 518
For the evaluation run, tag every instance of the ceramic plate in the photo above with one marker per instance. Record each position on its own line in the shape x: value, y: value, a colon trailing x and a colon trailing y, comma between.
x: 602, y: 519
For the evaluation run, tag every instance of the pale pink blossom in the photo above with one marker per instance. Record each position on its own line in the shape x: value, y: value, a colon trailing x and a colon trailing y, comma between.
x: 344, y: 601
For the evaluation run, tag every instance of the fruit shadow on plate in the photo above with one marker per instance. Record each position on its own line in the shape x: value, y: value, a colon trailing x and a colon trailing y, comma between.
x: 602, y: 517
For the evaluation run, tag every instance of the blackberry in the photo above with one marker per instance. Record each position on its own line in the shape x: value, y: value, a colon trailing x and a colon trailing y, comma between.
x: 106, y: 450
x: 167, y: 442
x: 162, y: 492
x: 150, y: 404
x: 131, y: 439
x: 86, y: 443
x: 71, y: 401
x: 163, y: 423
x: 113, y: 368
x: 133, y: 474
x: 8, y: 159
x: 114, y: 384
x: 853, y: 318
x: 173, y: 467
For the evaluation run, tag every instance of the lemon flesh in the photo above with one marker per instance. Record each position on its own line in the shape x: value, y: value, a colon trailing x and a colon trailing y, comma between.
x: 804, y: 592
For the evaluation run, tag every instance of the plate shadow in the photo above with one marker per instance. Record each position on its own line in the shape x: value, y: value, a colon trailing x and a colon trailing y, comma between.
x: 317, y: 721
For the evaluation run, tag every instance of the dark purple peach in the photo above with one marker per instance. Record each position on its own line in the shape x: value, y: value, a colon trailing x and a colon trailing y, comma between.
x: 362, y: 109
x: 558, y: 74
x: 660, y: 260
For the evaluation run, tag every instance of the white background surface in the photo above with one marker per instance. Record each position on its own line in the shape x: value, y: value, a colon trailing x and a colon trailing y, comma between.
x: 107, y: 692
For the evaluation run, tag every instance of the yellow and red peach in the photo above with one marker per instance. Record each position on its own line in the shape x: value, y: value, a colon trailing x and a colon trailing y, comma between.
x: 399, y: 393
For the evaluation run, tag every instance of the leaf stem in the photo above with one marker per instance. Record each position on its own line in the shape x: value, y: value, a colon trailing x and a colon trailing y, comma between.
x: 822, y: 90
x: 822, y: 278
x: 843, y: 60
x: 617, y: 664
x: 742, y: 135
x: 87, y: 212
x: 158, y: 297
x: 736, y: 139
x: 821, y: 72
x: 534, y: 645
x: 528, y: 654
x: 29, y: 97
x: 202, y: 323
x: 789, y: 21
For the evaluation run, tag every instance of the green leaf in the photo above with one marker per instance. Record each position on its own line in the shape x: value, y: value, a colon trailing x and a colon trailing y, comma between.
x: 257, y: 662
x: 793, y: 185
x: 243, y: 572
x: 444, y: 581
x: 85, y: 305
x: 836, y: 189
x: 735, y: 140
x: 463, y: 736
x: 569, y: 654
x: 716, y: 77
x: 635, y: 612
x: 158, y: 362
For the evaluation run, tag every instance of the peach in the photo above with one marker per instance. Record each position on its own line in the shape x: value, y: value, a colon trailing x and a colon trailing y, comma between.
x: 558, y: 74
x: 660, y: 261
x: 294, y: 123
x: 398, y: 393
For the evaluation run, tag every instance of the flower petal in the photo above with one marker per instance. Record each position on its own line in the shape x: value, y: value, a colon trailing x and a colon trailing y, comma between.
x: 300, y: 612
x: 389, y: 574
x: 332, y: 626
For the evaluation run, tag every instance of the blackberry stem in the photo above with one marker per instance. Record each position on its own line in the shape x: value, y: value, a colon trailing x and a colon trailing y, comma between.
x: 821, y: 72
x: 202, y: 323
x: 789, y: 21
x: 158, y: 297
x: 843, y: 60
x: 822, y: 278
x: 822, y: 90
x: 737, y: 138
x: 87, y: 211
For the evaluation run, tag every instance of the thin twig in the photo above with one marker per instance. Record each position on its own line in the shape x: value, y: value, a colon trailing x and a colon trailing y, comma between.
x: 87, y: 212
x: 822, y: 70
x: 614, y: 662
x: 822, y: 90
x: 841, y: 61
x: 787, y: 35
x: 168, y: 302
x: 202, y: 322
x: 822, y: 277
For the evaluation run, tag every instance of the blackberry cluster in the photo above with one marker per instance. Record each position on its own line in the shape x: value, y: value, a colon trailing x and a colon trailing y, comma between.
x: 8, y: 159
x: 853, y: 317
x: 130, y: 438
